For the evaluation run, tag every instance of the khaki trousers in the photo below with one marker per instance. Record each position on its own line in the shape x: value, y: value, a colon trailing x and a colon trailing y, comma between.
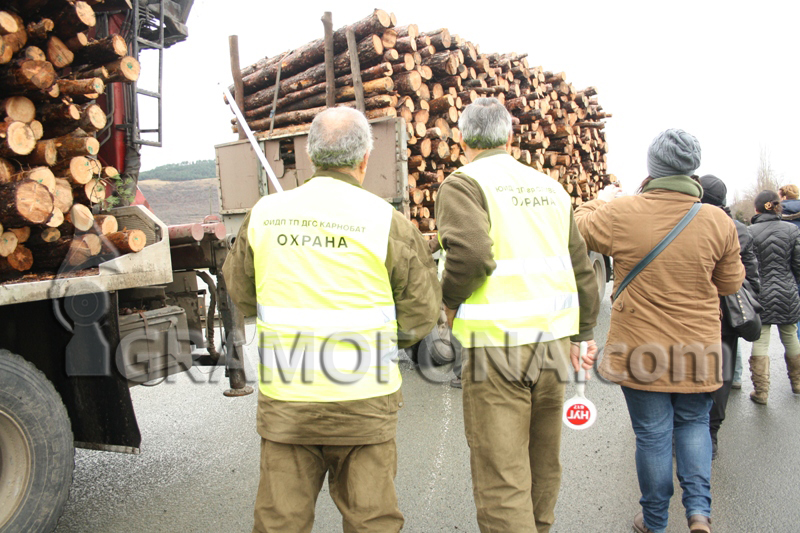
x: 360, y: 478
x: 513, y: 401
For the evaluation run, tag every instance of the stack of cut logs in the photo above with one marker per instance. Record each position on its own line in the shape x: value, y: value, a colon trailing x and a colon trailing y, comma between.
x: 51, y: 72
x: 428, y: 78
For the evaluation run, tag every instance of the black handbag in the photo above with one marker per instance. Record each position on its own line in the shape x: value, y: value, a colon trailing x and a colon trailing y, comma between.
x: 742, y: 311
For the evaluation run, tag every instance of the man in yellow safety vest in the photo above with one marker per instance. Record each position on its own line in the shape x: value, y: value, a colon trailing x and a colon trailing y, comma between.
x: 517, y: 287
x: 339, y: 282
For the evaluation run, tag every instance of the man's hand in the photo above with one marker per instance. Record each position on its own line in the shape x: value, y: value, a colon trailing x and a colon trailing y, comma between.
x: 451, y: 315
x: 588, y: 359
x: 608, y: 193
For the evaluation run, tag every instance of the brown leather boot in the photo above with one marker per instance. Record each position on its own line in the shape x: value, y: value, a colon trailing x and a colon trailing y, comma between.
x: 759, y: 370
x: 793, y: 369
x: 699, y: 524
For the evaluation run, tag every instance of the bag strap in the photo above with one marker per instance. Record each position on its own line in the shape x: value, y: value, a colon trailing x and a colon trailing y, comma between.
x: 659, y: 248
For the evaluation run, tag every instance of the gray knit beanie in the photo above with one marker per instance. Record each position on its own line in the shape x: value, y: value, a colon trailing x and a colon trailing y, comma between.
x: 673, y: 152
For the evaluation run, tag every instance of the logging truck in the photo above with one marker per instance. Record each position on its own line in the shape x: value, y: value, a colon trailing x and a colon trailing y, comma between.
x: 78, y: 330
x: 243, y: 180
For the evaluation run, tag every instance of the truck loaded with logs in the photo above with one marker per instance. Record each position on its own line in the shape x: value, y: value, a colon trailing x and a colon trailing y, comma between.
x: 97, y: 295
x: 412, y: 85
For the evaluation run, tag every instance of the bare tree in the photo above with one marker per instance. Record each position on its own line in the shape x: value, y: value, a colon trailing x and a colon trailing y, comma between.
x: 742, y: 207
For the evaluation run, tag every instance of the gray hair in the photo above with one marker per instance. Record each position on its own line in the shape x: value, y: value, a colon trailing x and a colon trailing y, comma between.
x: 340, y: 137
x: 485, y: 123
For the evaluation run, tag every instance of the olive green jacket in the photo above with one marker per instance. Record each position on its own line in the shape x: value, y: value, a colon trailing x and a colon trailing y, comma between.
x: 463, y: 219
x: 417, y: 297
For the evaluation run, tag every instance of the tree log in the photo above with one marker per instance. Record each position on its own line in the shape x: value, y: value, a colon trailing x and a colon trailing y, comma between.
x: 80, y: 217
x: 27, y: 74
x: 81, y: 87
x: 37, y: 129
x: 91, y: 193
x: 18, y: 108
x: 39, y: 30
x: 16, y: 138
x: 8, y: 243
x: 371, y: 88
x: 20, y: 260
x: 74, y: 18
x: 439, y: 38
x: 128, y: 241
x: 33, y: 52
x: 41, y: 175
x: 23, y: 233
x: 42, y: 237
x: 106, y: 224
x: 59, y: 112
x: 62, y: 196
x: 8, y: 24
x: 56, y: 218
x: 407, y: 82
x: 125, y: 70
x: 77, y: 42
x: 16, y: 40
x: 70, y: 146
x: 102, y: 51
x: 93, y: 118
x: 406, y: 44
x: 6, y: 171
x: 369, y: 49
x: 378, y: 71
x: 410, y: 30
x: 313, y: 53
x: 375, y: 109
x: 44, y: 153
x: 24, y: 203
x: 58, y: 53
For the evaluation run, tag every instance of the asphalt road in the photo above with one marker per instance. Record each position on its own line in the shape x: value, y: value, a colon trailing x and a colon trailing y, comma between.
x: 198, y: 467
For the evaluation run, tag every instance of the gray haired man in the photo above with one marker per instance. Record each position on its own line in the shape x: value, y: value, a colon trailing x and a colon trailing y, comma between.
x: 339, y: 282
x: 517, y: 288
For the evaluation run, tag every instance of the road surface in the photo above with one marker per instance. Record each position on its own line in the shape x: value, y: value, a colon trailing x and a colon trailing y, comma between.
x: 198, y: 466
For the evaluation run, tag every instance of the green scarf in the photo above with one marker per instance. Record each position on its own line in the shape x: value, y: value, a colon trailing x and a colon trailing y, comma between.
x: 678, y: 183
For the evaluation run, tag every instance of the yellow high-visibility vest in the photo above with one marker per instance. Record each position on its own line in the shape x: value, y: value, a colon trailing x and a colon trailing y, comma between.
x: 326, y: 315
x: 531, y: 296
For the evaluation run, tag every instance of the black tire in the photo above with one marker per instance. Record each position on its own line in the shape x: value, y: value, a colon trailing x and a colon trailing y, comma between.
x: 413, y: 353
x: 437, y: 346
x: 599, y: 267
x: 37, y: 454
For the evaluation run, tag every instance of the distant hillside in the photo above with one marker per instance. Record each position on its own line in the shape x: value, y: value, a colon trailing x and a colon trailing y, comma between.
x: 182, y: 202
x: 186, y: 171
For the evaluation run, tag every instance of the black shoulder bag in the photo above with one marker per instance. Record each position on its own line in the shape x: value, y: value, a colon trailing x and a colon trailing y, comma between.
x: 742, y: 311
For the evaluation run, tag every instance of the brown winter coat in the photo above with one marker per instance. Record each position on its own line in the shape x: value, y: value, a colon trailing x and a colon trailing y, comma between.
x: 673, y: 304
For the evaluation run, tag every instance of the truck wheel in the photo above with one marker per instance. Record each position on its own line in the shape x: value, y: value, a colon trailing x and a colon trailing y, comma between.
x: 599, y: 267
x: 37, y: 453
x: 437, y: 346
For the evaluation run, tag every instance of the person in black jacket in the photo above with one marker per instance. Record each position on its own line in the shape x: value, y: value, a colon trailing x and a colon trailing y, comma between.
x: 791, y: 211
x: 714, y: 192
x: 777, y: 245
x: 790, y: 204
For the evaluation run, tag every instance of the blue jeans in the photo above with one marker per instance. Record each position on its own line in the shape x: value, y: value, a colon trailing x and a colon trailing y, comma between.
x: 655, y: 417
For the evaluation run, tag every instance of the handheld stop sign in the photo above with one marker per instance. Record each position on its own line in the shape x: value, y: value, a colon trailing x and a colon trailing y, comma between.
x: 579, y: 412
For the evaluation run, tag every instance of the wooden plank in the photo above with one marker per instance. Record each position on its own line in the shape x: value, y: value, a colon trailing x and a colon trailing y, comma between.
x: 236, y: 72
x: 355, y: 68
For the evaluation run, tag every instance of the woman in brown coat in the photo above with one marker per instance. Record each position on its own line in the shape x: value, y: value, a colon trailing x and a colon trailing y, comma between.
x: 664, y: 341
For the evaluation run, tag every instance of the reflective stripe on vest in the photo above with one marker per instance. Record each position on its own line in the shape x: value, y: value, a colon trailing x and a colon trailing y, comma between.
x: 326, y: 318
x: 531, y: 296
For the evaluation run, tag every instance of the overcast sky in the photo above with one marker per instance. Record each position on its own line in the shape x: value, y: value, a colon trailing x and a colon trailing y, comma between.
x: 723, y: 71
